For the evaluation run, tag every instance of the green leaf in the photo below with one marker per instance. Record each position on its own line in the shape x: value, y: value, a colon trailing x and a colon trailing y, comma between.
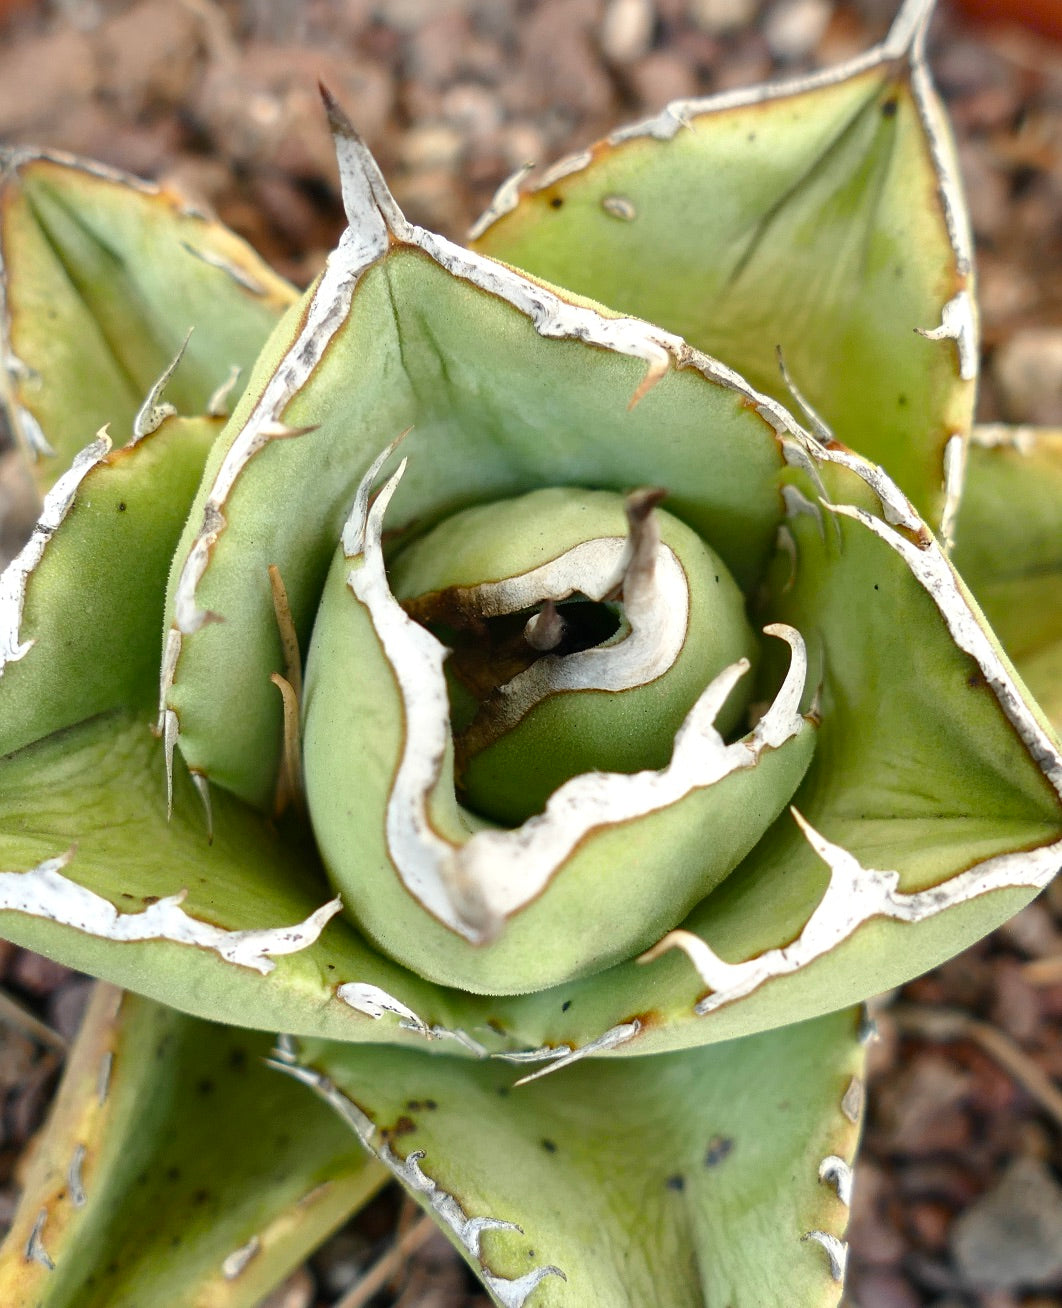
x: 706, y: 1177
x: 820, y: 217
x: 929, y: 768
x: 1008, y: 549
x: 507, y: 385
x: 81, y: 606
x: 104, y: 276
x: 176, y: 1168
x: 91, y: 866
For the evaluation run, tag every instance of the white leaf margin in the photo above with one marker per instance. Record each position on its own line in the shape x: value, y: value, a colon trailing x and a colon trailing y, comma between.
x: 856, y: 894
x: 467, y: 1230
x: 905, y: 40
x: 44, y: 892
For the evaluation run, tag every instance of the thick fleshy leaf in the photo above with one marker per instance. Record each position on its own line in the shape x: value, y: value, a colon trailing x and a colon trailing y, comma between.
x: 103, y: 278
x: 1008, y: 548
x: 177, y: 1168
x: 683, y: 827
x: 508, y: 386
x: 715, y: 1176
x: 820, y: 217
x: 933, y: 800
x: 81, y: 606
x: 454, y: 308
x: 240, y: 928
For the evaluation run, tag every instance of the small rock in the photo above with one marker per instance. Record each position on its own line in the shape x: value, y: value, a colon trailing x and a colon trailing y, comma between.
x: 152, y: 53
x: 1028, y: 372
x: 718, y: 16
x: 627, y: 30
x: 431, y: 145
x: 41, y: 82
x: 661, y: 77
x: 1012, y: 1235
x: 36, y: 974
x: 472, y: 110
x: 922, y: 1109
x: 930, y: 1221
x: 1034, y: 931
x: 793, y: 28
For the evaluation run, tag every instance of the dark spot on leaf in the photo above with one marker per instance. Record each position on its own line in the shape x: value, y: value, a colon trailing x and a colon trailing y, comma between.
x: 496, y: 1026
x: 430, y: 1105
x: 238, y: 1059
x: 719, y: 1146
x: 876, y: 586
x: 888, y: 109
x: 121, y: 506
x: 414, y: 1105
x: 976, y: 679
x: 530, y: 1253
x: 901, y: 400
x: 503, y: 1090
x: 403, y: 1126
x: 150, y: 899
x: 173, y: 1173
x: 200, y: 1197
x: 205, y: 1086
x: 549, y: 1146
x: 331, y: 967
x: 556, y: 201
x: 175, y: 1243
x: 112, y: 1268
x: 751, y: 137
x: 676, y: 1182
x: 566, y: 1005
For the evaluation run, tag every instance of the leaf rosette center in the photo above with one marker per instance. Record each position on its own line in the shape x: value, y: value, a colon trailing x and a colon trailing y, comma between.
x: 562, y: 680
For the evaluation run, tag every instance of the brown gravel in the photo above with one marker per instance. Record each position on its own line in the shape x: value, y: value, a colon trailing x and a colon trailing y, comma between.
x: 218, y: 97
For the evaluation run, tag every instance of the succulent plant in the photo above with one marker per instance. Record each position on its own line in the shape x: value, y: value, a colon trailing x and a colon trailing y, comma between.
x: 539, y: 716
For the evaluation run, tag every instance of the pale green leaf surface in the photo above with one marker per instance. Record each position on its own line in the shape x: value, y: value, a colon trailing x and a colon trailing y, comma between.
x: 916, y: 770
x: 811, y: 222
x: 680, y: 1181
x: 103, y: 278
x: 411, y: 351
x: 93, y: 604
x: 1009, y: 551
x: 642, y: 876
x: 170, y: 1148
x: 99, y: 789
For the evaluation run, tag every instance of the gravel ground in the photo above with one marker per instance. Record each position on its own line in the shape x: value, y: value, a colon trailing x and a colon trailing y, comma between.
x: 219, y: 99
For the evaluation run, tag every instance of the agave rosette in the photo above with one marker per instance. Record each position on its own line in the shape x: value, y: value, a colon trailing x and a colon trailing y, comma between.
x: 642, y: 709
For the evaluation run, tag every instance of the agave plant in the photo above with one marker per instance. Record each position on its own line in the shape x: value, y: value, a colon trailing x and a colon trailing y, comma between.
x: 504, y: 753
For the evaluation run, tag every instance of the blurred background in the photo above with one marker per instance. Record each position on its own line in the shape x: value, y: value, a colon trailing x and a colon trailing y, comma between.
x: 958, y: 1200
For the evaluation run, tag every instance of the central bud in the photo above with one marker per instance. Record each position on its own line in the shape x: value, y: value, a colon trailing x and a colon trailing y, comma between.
x: 582, y: 628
